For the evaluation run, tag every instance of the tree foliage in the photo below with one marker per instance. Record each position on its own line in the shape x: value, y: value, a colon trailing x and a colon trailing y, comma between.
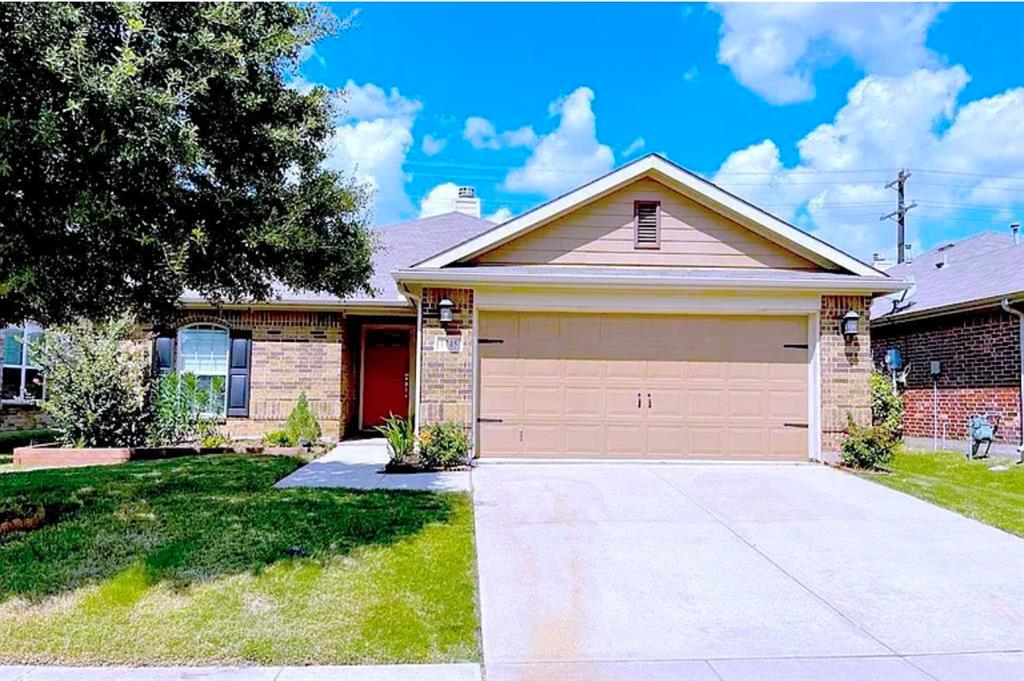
x: 155, y: 148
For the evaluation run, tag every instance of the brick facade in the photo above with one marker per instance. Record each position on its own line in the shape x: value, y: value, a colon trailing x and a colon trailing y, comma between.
x: 292, y: 351
x: 979, y: 356
x: 446, y: 375
x: 845, y: 369
x: 22, y: 417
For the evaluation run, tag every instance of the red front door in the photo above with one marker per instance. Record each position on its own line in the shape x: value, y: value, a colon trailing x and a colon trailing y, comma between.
x: 385, y: 375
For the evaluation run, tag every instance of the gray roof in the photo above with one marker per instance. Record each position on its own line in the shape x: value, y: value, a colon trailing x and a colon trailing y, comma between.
x: 406, y: 243
x: 983, y: 267
x: 399, y: 245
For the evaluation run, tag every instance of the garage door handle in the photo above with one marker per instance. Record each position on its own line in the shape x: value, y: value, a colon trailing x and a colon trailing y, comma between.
x: 638, y: 402
x: 485, y: 420
x: 795, y: 425
x: 648, y: 400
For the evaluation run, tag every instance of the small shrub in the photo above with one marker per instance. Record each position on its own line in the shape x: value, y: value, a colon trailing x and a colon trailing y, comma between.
x: 302, y: 423
x: 98, y: 383
x: 278, y: 438
x: 210, y: 437
x: 400, y: 436
x: 443, y: 445
x: 868, y: 446
x: 886, y: 405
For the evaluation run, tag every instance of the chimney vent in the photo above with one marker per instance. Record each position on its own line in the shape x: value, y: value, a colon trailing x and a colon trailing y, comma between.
x: 880, y: 262
x: 467, y: 202
x: 1015, y: 231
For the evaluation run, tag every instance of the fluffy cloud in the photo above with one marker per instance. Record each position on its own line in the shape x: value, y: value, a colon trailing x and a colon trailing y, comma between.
x: 482, y: 134
x: 569, y: 155
x: 433, y: 145
x: 372, y: 140
x: 633, y: 147
x: 774, y: 49
x: 911, y: 121
x: 499, y: 216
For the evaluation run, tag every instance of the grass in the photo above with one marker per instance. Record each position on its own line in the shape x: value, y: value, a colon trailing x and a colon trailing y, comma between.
x: 950, y: 480
x: 197, y: 560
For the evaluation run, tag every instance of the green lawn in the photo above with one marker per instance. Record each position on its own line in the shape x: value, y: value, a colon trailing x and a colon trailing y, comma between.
x: 198, y: 560
x: 968, y: 487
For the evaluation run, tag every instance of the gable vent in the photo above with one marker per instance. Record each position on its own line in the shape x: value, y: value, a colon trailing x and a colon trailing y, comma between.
x: 647, y: 224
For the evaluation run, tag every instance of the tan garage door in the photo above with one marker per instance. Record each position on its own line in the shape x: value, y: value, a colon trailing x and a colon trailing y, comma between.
x: 565, y: 385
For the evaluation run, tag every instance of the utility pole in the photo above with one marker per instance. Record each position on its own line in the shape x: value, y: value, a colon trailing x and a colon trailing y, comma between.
x: 900, y: 213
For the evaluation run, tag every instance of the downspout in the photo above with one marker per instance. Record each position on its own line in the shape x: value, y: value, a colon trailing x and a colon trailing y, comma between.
x: 1020, y: 405
x: 418, y: 300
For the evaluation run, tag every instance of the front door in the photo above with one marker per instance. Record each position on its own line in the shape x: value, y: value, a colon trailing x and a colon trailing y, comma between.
x: 385, y: 375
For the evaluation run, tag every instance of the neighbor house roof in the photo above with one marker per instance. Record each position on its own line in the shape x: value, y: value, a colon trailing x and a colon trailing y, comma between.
x: 976, y: 271
x: 399, y: 245
x: 683, y: 181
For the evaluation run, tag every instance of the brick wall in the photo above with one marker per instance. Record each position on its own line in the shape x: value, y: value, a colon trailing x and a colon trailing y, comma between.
x: 292, y: 351
x: 446, y: 377
x: 979, y: 355
x: 22, y: 417
x: 845, y: 369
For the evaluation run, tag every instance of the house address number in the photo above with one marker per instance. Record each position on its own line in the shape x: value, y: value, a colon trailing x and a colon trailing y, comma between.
x: 448, y: 344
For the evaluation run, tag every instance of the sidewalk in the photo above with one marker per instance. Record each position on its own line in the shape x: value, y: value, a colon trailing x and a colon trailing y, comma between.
x: 396, y: 672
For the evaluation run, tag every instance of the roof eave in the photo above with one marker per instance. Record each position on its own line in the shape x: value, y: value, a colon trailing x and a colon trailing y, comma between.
x: 472, y: 276
x: 943, y: 310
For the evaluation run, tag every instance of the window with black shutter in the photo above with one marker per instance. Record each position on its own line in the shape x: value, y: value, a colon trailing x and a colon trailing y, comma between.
x: 647, y: 224
x: 240, y: 362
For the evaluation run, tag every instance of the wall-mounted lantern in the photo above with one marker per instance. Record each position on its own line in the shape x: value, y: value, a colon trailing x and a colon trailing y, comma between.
x: 849, y: 325
x: 444, y: 308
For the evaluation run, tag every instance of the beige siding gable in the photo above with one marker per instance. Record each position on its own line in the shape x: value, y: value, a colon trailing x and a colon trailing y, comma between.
x: 601, y: 233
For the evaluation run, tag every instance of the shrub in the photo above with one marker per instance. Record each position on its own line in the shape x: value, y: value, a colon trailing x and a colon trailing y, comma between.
x: 98, y: 383
x: 302, y: 423
x: 443, y: 445
x: 278, y: 438
x: 400, y: 436
x: 886, y: 405
x: 179, y: 410
x: 868, y: 446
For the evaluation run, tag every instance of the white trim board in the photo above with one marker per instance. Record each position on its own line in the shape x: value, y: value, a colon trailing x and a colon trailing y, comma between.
x: 674, y: 177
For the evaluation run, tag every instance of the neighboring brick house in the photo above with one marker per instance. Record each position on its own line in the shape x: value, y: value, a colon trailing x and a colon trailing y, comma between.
x: 955, y: 316
x: 645, y: 314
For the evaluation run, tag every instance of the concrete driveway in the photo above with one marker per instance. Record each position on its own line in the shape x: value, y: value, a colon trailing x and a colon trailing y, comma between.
x: 647, y: 571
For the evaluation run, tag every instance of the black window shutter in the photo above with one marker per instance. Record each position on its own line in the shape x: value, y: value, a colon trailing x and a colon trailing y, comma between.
x: 163, y: 354
x: 239, y: 365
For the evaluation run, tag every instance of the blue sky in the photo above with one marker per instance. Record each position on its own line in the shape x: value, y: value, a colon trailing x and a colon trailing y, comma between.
x: 806, y: 110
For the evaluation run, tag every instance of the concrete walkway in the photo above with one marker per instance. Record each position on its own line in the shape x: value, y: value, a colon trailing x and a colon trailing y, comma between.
x: 716, y: 572
x: 359, y: 464
x: 398, y: 672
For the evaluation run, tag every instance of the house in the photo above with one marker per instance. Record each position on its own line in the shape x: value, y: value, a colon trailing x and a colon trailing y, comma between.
x: 647, y: 313
x: 959, y: 331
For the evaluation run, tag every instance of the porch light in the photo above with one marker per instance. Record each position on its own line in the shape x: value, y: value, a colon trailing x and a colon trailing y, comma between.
x: 849, y: 325
x: 444, y: 307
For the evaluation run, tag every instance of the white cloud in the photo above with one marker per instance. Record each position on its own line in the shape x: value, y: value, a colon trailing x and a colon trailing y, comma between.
x: 774, y: 49
x: 569, y: 155
x: 482, y: 134
x: 371, y: 142
x: 636, y: 145
x: 838, y: 186
x: 692, y: 73
x: 499, y: 216
x: 433, y: 145
x: 439, y: 200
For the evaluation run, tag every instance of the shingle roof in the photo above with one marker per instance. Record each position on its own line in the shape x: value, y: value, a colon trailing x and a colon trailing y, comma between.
x: 981, y: 267
x: 400, y: 245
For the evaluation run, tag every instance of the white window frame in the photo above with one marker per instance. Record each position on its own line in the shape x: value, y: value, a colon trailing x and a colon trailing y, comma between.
x: 178, y: 358
x: 25, y: 328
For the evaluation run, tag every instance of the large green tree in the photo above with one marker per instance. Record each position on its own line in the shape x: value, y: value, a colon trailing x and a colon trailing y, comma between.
x: 150, y: 149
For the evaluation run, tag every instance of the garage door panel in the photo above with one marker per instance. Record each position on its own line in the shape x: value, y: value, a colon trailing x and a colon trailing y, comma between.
x: 720, y: 386
x: 501, y: 401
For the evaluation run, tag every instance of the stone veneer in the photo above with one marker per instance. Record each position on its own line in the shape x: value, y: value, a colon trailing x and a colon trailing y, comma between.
x: 292, y: 351
x: 446, y: 376
x: 23, y: 417
x: 845, y: 370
